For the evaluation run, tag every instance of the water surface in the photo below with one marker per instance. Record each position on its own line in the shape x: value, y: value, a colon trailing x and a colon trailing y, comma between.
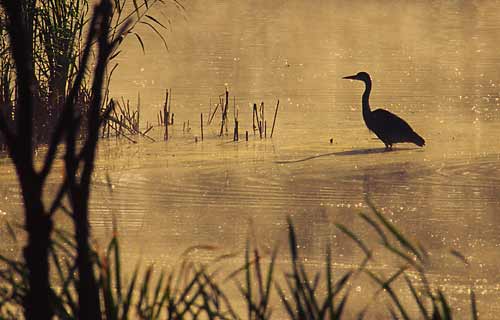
x: 435, y: 64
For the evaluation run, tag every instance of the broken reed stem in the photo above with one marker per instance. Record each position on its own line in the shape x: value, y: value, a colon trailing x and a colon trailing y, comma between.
x: 224, y: 114
x: 259, y: 121
x: 166, y: 129
x: 262, y: 112
x: 165, y: 105
x: 209, y: 109
x: 121, y: 124
x: 129, y: 119
x: 274, y: 119
x: 253, y: 118
x: 117, y: 128
x: 137, y: 128
x: 213, y: 114
x: 124, y: 123
x: 165, y: 116
x: 201, y: 125
x: 265, y: 129
x: 235, y: 135
x: 148, y: 129
x: 246, y: 135
x: 226, y: 110
x: 170, y: 101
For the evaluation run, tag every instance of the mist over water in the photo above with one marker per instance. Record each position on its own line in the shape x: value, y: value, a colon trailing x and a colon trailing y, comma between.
x: 435, y: 64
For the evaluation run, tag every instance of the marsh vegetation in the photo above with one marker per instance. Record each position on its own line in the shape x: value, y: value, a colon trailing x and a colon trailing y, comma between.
x: 169, y: 199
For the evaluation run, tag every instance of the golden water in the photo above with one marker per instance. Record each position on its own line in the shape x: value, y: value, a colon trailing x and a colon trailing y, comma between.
x: 435, y: 64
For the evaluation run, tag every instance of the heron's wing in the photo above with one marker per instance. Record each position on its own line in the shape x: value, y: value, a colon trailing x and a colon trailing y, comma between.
x: 391, y: 122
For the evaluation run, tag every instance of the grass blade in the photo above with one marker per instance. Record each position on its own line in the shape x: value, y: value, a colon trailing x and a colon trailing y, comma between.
x: 356, y: 239
x: 459, y: 256
x: 444, y: 306
x: 140, y: 41
x: 395, y: 232
x: 387, y: 286
x: 473, y: 305
x: 287, y: 305
x: 419, y: 302
x: 128, y: 298
x: 248, y: 278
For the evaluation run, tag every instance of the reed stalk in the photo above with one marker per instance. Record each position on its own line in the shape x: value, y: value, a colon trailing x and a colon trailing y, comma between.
x: 201, y: 125
x: 274, y: 118
x: 165, y: 115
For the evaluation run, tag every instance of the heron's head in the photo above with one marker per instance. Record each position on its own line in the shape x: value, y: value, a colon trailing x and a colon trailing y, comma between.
x: 362, y: 76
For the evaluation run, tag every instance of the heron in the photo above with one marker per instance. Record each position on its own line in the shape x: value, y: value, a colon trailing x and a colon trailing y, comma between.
x: 387, y: 126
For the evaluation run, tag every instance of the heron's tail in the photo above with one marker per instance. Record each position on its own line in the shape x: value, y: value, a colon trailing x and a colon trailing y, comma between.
x: 418, y: 140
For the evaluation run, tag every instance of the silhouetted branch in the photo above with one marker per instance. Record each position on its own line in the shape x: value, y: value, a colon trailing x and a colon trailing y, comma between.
x: 22, y: 54
x: 79, y: 191
x: 38, y: 224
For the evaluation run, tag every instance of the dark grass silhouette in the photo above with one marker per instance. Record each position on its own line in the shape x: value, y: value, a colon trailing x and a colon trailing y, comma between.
x: 194, y: 290
x: 386, y: 125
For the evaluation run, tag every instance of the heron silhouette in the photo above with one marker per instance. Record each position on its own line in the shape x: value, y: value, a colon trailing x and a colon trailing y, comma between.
x: 386, y: 125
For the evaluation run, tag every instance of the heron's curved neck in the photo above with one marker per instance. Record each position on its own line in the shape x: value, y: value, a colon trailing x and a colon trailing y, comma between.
x: 366, y: 98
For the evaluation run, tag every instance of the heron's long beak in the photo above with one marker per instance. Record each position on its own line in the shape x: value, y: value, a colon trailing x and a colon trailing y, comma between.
x: 350, y: 77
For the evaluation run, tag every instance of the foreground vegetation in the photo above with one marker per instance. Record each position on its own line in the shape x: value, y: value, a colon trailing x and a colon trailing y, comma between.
x: 55, y: 30
x: 61, y: 275
x: 47, y: 74
x: 199, y: 291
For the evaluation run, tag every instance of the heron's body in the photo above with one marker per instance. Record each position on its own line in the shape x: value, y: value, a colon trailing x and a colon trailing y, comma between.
x: 387, y: 126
